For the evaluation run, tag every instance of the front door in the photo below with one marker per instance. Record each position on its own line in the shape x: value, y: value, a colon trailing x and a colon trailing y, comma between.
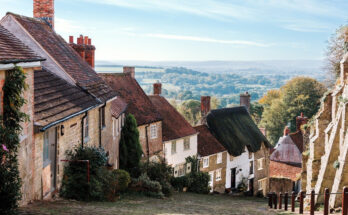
x: 49, y: 161
x: 233, y: 178
x: 251, y: 186
x: 211, y: 181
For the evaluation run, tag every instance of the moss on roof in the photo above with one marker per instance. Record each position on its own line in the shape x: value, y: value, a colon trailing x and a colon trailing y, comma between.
x: 235, y: 129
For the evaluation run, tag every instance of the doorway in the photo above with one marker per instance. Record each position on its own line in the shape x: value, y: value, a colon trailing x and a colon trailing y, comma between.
x: 233, y: 178
x: 49, y: 176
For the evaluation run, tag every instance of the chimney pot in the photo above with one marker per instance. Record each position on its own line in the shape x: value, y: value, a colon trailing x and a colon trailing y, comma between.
x: 157, y: 88
x: 89, y: 41
x: 86, y: 40
x: 129, y: 70
x: 205, y: 105
x: 71, y: 39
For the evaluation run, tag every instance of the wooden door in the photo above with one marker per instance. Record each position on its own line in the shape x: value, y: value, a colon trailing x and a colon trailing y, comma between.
x: 233, y: 178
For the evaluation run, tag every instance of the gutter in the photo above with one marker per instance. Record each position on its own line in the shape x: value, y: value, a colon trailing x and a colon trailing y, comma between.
x: 66, y: 118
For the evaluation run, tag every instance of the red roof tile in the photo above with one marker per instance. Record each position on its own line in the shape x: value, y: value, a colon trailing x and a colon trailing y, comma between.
x: 207, y: 143
x: 174, y: 125
x: 12, y: 50
x: 118, y: 106
x: 66, y: 56
x: 297, y: 138
x: 278, y: 169
x: 56, y: 99
x: 138, y: 102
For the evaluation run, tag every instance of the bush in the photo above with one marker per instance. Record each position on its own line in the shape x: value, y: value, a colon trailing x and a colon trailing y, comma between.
x: 75, y: 184
x: 145, y: 185
x: 199, y: 182
x: 122, y: 180
x: 180, y: 182
x: 161, y: 172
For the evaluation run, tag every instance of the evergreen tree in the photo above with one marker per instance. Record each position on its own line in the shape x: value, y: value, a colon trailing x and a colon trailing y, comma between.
x: 130, y: 148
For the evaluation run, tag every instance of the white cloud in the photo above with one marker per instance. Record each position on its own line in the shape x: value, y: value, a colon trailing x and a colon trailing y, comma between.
x: 207, y: 39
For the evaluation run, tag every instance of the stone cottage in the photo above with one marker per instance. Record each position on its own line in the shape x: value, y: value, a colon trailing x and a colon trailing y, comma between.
x: 178, y: 136
x: 72, y: 104
x: 213, y: 158
x: 148, y: 119
x: 325, y: 157
x: 14, y: 53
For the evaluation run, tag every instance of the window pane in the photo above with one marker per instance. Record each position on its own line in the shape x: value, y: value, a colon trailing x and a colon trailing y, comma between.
x: 186, y: 143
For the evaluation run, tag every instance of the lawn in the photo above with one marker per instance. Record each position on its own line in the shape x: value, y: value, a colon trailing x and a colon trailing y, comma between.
x: 179, y: 203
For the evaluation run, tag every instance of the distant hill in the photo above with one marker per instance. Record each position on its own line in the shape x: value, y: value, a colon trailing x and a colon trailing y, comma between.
x: 223, y: 79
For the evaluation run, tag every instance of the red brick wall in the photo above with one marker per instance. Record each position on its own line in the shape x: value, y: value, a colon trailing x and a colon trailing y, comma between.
x: 44, y: 9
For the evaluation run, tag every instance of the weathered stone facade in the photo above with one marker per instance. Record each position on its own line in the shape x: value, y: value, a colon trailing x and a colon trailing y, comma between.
x: 214, y: 166
x: 151, y: 145
x: 261, y: 170
x: 325, y: 162
x: 280, y: 185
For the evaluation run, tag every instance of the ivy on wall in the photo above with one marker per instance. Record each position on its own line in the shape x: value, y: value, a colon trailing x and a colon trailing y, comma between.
x: 10, y: 129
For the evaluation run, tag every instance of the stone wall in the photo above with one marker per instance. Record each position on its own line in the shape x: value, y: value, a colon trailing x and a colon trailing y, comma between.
x: 282, y: 185
x: 154, y: 144
x: 218, y: 185
x: 261, y: 174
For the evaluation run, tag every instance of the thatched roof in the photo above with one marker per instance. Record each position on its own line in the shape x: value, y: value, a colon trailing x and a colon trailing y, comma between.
x: 235, y: 129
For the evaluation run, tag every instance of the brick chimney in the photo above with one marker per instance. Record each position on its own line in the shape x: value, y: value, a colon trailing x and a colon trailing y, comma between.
x: 129, y: 70
x: 205, y: 105
x: 286, y: 131
x: 84, y: 48
x: 157, y: 88
x: 44, y: 9
x: 245, y: 100
x: 300, y: 120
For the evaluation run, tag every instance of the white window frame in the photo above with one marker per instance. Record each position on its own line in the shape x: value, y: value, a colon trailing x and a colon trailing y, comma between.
x: 205, y: 162
x: 187, y: 143
x: 173, y: 147
x: 85, y: 129
x: 260, y: 163
x: 218, y: 175
x: 219, y: 158
x: 153, y: 131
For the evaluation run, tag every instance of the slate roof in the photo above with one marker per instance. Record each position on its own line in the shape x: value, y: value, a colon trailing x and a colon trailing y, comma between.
x: 207, y: 143
x: 286, y: 151
x: 56, y: 99
x: 235, y: 129
x: 66, y: 56
x: 174, y: 125
x: 138, y: 102
x: 118, y: 106
x: 12, y: 50
x: 283, y: 170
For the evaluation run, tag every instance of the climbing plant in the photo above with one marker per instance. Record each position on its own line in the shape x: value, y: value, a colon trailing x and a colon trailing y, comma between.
x: 10, y: 129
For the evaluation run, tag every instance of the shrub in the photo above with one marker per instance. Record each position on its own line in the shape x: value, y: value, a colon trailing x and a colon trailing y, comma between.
x: 180, y: 182
x: 122, y: 180
x: 161, y: 172
x: 75, y: 184
x: 145, y: 185
x: 199, y: 182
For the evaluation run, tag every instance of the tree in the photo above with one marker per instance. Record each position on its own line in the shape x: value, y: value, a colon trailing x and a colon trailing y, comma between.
x: 334, y: 54
x: 130, y: 148
x: 256, y: 110
x: 215, y: 103
x: 191, y: 110
x: 299, y: 95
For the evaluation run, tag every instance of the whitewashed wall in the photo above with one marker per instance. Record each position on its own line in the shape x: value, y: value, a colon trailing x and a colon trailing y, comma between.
x: 181, y: 154
x: 242, y: 164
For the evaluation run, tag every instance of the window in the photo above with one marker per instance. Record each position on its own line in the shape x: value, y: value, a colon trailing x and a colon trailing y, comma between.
x: 219, y: 158
x: 205, y: 162
x: 85, y: 129
x: 173, y: 147
x: 179, y: 170
x: 102, y: 117
x: 188, y: 167
x: 46, y: 150
x: 186, y: 143
x: 251, y: 165
x: 261, y: 184
x: 117, y: 131
x: 153, y: 131
x: 260, y: 164
x: 218, y: 175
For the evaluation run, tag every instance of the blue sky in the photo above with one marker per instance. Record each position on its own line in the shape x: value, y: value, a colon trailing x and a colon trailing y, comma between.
x: 161, y: 30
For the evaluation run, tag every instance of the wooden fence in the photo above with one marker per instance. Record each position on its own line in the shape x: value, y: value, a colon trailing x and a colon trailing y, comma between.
x: 276, y: 201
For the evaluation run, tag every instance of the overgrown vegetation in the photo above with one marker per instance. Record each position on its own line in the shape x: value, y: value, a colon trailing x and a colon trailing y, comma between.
x: 10, y: 128
x: 130, y: 148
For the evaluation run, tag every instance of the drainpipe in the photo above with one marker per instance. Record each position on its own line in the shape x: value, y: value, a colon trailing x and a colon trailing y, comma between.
x: 100, y: 125
x: 147, y: 144
x: 82, y: 125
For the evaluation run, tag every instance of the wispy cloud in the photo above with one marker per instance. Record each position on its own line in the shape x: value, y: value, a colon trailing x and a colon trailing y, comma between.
x: 207, y: 40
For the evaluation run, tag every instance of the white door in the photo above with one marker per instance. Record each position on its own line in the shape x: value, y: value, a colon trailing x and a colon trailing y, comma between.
x: 211, y: 181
